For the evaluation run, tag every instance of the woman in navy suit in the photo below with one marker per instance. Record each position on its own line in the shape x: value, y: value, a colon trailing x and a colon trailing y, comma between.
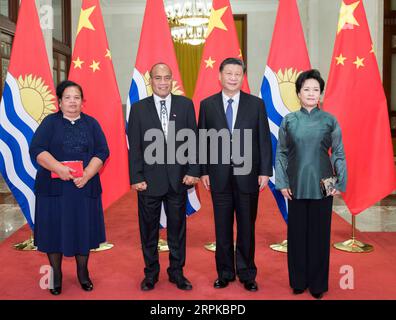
x: 69, y: 215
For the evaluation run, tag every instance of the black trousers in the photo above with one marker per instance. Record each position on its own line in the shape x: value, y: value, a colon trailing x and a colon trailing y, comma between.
x: 245, y: 207
x: 308, y: 243
x: 149, y: 208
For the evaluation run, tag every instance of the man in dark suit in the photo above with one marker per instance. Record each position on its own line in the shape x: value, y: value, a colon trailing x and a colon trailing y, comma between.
x: 159, y: 179
x: 243, y: 117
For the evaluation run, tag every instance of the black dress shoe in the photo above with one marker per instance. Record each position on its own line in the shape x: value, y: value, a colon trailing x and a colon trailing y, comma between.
x: 148, y: 284
x: 250, y: 285
x: 221, y: 283
x: 88, y: 286
x: 56, y: 291
x: 317, y: 295
x: 181, y: 282
x: 298, y: 291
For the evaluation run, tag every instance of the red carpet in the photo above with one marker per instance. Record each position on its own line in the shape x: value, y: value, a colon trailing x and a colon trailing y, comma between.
x: 117, y: 273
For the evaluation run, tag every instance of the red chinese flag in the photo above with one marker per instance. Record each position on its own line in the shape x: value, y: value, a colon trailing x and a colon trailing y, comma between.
x: 92, y: 68
x: 155, y: 46
x: 356, y: 97
x: 221, y: 43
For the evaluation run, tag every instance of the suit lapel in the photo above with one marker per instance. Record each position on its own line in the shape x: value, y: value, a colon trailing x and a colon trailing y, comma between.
x: 220, y: 109
x: 241, y: 110
x: 153, y: 112
x: 172, y: 114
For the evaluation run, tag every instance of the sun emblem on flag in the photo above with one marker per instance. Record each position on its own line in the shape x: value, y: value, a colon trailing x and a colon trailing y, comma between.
x: 175, y: 87
x: 36, y: 97
x: 287, y: 88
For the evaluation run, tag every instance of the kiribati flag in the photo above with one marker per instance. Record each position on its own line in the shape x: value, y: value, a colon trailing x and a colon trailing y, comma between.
x: 156, y: 46
x: 28, y: 97
x: 288, y: 57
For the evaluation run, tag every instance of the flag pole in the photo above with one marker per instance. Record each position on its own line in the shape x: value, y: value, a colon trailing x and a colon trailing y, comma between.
x: 280, y: 247
x: 103, y: 247
x: 27, y: 245
x: 210, y: 246
x: 163, y: 245
x: 353, y: 245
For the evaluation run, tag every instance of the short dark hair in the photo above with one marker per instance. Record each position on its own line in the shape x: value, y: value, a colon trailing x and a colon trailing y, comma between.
x: 236, y: 61
x: 66, y: 84
x: 157, y: 64
x: 309, y: 74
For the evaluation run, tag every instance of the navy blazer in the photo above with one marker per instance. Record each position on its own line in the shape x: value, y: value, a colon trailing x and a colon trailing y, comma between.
x: 144, y: 117
x: 252, y: 116
x: 49, y: 137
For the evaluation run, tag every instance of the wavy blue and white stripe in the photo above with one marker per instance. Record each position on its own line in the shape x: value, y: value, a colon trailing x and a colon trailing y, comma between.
x: 276, y: 110
x: 16, y: 132
x: 138, y: 92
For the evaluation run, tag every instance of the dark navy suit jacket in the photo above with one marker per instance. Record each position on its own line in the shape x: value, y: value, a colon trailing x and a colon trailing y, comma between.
x: 144, y: 117
x: 251, y: 116
x: 49, y: 137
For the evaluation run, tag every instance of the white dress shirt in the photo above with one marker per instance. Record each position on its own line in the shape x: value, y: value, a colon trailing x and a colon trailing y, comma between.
x: 157, y: 101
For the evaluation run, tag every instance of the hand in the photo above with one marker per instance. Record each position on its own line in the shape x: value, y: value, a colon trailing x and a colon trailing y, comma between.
x: 190, y: 181
x: 287, y: 193
x: 81, y: 181
x: 64, y: 172
x: 206, y: 182
x: 141, y: 186
x: 335, y: 192
x: 263, y: 182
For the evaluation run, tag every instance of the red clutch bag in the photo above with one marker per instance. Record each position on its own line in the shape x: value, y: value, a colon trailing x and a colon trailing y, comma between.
x: 75, y: 165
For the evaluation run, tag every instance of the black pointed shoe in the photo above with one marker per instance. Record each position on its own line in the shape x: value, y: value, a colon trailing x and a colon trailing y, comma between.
x: 181, y: 282
x: 250, y: 285
x: 88, y: 286
x: 56, y: 291
x: 221, y: 283
x: 148, y: 284
x: 317, y: 295
x: 298, y: 291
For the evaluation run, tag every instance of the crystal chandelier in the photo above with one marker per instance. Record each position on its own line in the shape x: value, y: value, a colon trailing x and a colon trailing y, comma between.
x: 188, y: 20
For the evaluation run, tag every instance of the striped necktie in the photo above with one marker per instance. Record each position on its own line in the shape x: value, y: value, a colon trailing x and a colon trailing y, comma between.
x: 164, y: 118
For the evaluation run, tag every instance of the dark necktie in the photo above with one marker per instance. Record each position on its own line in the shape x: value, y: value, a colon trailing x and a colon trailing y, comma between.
x: 164, y: 118
x: 229, y: 114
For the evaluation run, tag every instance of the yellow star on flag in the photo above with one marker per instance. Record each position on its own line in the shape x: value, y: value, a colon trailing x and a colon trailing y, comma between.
x: 240, y: 54
x: 95, y: 66
x: 359, y: 62
x: 372, y: 48
x: 346, y: 15
x: 108, y: 54
x: 84, y: 21
x: 210, y: 62
x: 340, y: 59
x: 215, y: 20
x: 78, y: 63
